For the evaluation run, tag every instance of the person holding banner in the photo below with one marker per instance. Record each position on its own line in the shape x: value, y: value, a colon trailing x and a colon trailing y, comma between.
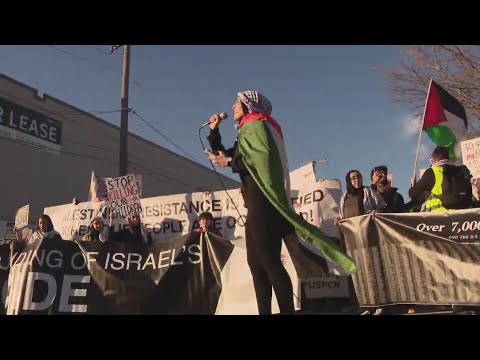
x: 95, y: 233
x: 136, y: 233
x: 356, y: 201
x: 45, y: 228
x: 259, y: 157
x: 205, y: 221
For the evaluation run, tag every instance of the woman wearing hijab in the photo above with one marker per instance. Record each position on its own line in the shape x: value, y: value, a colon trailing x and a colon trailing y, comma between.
x: 95, y: 233
x: 359, y: 199
x: 44, y: 228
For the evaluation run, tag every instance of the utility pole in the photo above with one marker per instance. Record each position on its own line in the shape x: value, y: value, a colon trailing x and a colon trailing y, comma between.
x: 123, y: 163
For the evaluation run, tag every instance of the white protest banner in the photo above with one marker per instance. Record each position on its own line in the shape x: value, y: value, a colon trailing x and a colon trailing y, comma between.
x: 101, y: 188
x: 123, y: 195
x: 73, y: 221
x: 238, y: 293
x: 167, y: 217
x: 301, y: 177
x: 471, y: 156
x: 92, y: 193
x: 318, y: 204
x: 98, y: 187
x: 21, y: 218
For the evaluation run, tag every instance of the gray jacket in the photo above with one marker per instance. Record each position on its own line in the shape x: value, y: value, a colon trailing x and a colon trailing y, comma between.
x: 371, y: 201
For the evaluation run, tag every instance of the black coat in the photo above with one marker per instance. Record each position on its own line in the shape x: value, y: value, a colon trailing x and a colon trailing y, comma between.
x: 260, y: 210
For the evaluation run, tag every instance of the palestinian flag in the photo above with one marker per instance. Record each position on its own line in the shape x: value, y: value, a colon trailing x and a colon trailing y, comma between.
x: 445, y: 119
x: 260, y: 142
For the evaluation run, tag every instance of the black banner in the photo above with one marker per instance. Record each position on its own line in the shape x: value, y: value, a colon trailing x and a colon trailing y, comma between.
x: 420, y: 258
x: 53, y: 276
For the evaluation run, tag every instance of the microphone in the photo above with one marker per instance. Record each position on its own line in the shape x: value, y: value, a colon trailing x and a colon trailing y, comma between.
x: 222, y: 115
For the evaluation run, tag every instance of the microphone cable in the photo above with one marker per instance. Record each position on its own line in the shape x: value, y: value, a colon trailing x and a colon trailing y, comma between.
x: 219, y: 178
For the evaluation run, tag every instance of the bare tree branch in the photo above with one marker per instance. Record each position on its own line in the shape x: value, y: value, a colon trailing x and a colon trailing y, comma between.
x: 454, y: 67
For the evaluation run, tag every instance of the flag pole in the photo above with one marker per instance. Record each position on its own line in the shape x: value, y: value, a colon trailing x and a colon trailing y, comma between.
x: 421, y: 129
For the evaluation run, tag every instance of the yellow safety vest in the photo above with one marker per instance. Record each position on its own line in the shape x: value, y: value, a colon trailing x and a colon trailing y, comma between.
x: 433, y: 202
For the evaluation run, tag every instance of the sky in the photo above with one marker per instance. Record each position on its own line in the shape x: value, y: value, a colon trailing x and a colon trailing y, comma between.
x: 333, y: 102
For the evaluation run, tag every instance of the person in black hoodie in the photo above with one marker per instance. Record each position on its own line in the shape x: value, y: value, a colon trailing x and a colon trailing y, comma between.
x: 393, y: 200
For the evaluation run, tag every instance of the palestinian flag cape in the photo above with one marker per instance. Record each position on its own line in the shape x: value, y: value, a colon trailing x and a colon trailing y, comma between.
x: 260, y: 142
